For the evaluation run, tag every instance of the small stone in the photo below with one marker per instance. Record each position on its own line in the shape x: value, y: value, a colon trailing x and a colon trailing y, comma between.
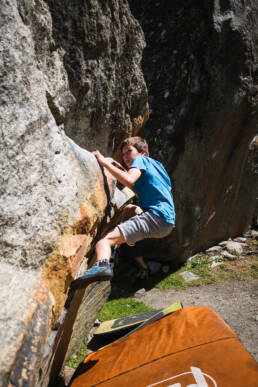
x: 213, y: 249
x: 227, y: 255
x: 214, y: 264
x: 248, y: 234
x: 234, y: 247
x: 254, y: 234
x: 140, y: 292
x: 256, y: 317
x: 68, y: 373
x: 251, y: 252
x: 97, y: 323
x: 189, y: 276
x: 154, y: 266
x: 165, y: 269
x: 223, y: 243
x: 193, y: 257
x: 240, y: 239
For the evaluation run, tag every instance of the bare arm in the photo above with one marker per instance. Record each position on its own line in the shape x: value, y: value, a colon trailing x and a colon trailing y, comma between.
x: 118, y: 165
x: 127, y: 178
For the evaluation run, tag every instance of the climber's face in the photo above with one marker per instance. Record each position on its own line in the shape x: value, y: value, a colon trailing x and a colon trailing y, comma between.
x: 130, y: 153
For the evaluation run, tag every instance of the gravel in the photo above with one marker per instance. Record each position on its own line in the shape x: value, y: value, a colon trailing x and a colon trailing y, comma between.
x: 235, y: 301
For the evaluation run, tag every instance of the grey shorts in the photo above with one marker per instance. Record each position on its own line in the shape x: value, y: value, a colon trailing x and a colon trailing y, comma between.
x: 143, y: 226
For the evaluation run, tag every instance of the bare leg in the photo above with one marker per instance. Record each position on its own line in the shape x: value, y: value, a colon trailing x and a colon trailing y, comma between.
x: 103, y: 246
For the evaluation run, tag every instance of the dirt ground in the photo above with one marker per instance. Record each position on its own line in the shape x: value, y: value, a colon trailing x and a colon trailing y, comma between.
x: 235, y: 301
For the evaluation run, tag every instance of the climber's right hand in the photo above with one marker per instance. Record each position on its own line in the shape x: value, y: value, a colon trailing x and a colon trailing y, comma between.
x: 101, y: 159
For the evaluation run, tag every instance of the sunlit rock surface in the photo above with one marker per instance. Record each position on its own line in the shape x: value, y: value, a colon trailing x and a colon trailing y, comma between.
x: 54, y: 196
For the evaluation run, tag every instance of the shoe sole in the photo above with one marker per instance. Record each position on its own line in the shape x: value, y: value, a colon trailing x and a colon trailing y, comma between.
x: 83, y: 282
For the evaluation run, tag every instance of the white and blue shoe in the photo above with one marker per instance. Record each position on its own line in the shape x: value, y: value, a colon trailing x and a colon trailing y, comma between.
x: 100, y: 271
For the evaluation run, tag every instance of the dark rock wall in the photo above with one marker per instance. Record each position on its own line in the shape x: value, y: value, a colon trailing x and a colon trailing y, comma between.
x: 201, y: 70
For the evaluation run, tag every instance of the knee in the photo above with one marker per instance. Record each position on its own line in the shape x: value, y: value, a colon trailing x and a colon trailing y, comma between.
x: 102, y: 242
x: 130, y: 210
x: 111, y: 238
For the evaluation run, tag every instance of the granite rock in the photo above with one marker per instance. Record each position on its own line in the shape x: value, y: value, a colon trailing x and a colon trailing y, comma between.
x: 216, y: 263
x: 102, y: 44
x: 54, y: 197
x: 227, y: 255
x: 200, y: 66
x: 240, y: 240
x: 214, y: 249
x: 189, y: 276
x: 234, y: 247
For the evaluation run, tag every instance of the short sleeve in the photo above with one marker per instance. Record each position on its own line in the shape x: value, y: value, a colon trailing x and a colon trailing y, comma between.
x: 138, y: 163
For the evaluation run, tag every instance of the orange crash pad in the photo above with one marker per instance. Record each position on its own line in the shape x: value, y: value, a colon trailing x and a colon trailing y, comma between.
x: 191, y: 347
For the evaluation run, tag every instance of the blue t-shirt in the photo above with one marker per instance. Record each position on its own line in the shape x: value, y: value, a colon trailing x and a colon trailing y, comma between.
x: 154, y: 188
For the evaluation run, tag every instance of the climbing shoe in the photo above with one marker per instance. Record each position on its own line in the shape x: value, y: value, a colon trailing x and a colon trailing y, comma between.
x: 100, y: 271
x: 143, y: 274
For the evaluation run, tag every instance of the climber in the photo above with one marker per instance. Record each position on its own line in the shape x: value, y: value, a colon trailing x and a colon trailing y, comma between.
x: 153, y: 218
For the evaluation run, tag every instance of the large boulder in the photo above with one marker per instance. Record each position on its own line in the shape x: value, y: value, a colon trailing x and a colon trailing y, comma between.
x: 102, y: 45
x: 201, y: 67
x: 55, y: 198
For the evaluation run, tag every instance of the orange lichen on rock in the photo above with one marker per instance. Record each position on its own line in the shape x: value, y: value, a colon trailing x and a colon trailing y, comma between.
x: 62, y: 267
x: 91, y: 211
x: 64, y: 262
x: 75, y: 247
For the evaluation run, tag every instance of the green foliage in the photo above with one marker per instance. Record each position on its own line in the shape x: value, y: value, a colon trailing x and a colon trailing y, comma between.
x: 254, y: 268
x: 199, y: 266
x: 122, y: 307
x: 173, y: 280
x: 78, y: 357
x: 226, y: 274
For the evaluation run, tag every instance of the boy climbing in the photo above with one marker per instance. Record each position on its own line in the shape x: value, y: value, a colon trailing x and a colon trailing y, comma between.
x: 153, y: 218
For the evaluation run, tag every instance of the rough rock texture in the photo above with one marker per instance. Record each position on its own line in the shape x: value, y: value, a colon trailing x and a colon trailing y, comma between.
x: 253, y: 160
x: 54, y: 196
x: 201, y: 69
x: 76, y: 321
x: 102, y: 45
x: 34, y: 297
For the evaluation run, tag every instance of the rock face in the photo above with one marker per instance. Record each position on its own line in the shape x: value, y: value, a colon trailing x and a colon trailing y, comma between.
x: 54, y: 196
x: 73, y: 70
x: 201, y: 69
x: 102, y: 45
